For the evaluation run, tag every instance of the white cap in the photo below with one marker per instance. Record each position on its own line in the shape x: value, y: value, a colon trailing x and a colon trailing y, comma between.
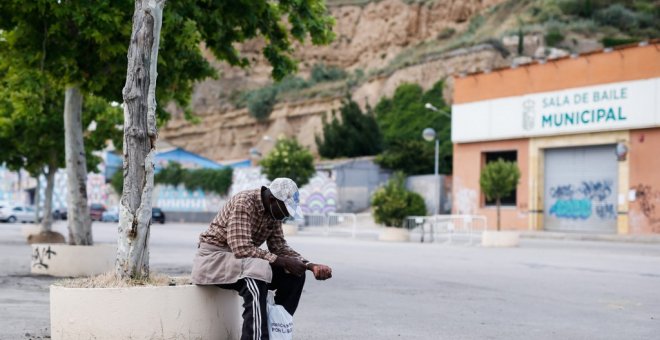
x: 286, y: 190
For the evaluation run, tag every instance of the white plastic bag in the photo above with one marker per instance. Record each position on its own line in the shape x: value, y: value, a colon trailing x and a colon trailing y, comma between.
x: 280, y: 322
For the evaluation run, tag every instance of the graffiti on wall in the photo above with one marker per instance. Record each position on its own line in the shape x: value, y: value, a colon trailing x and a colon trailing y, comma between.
x: 584, y: 201
x: 171, y: 198
x: 648, y: 199
x: 319, y: 196
x: 41, y: 255
x: 246, y: 179
x: 98, y: 191
x: 466, y: 199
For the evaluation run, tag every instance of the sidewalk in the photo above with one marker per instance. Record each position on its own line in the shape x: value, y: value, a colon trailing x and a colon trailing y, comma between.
x: 551, y: 235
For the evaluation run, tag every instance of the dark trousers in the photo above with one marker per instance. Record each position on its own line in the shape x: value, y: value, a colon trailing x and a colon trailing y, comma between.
x: 288, y: 289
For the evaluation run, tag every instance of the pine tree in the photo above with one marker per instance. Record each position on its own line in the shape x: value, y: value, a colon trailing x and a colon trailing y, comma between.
x: 356, y: 134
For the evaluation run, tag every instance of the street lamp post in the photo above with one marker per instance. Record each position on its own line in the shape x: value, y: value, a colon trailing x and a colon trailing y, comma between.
x: 430, y: 135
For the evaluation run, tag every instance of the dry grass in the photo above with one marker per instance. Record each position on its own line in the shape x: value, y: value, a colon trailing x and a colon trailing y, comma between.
x: 109, y: 280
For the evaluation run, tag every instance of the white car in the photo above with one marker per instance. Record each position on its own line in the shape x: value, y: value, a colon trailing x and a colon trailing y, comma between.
x: 17, y: 213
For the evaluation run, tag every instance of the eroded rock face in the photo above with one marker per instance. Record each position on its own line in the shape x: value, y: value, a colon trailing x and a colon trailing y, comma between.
x: 368, y: 37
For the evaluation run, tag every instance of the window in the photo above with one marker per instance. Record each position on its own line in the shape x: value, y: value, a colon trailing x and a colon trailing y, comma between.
x: 511, y: 156
x: 18, y: 209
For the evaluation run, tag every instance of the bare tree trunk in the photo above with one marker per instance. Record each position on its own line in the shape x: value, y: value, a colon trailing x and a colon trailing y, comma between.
x: 80, y: 226
x: 498, y: 213
x: 47, y: 222
x: 139, y: 141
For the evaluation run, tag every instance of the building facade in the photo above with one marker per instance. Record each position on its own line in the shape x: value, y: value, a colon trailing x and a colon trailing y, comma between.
x: 584, y: 131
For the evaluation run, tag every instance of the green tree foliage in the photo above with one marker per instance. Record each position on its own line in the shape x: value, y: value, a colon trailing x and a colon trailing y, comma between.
x: 357, y: 134
x: 32, y: 124
x: 289, y: 159
x: 84, y: 42
x: 402, y: 119
x: 208, y: 180
x: 412, y: 157
x: 393, y: 203
x: 498, y: 179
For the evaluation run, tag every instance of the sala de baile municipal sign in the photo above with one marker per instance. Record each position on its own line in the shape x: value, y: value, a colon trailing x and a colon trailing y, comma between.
x: 606, y: 107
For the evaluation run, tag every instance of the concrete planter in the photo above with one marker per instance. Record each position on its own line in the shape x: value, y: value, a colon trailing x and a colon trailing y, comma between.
x: 391, y: 234
x: 289, y: 229
x: 63, y: 260
x: 491, y: 238
x: 176, y: 312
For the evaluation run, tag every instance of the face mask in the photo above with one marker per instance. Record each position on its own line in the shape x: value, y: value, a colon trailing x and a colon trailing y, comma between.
x: 284, y: 219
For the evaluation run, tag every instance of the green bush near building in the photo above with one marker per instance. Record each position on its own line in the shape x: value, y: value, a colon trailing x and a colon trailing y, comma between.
x: 392, y: 203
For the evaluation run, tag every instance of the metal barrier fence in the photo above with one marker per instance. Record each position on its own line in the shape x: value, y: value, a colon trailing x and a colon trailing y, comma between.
x: 332, y: 222
x: 447, y: 228
x: 439, y: 228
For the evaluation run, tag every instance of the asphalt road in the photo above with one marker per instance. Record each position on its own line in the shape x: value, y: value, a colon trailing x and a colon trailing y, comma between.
x: 543, y: 289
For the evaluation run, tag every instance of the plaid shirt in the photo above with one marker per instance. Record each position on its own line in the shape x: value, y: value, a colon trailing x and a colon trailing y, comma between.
x: 244, y: 225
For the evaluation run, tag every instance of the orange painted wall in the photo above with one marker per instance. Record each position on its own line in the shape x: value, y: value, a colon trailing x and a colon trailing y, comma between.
x: 467, y: 196
x: 625, y: 64
x: 644, y: 156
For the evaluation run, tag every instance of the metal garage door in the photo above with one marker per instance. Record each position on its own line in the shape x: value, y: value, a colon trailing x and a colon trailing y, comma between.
x: 581, y: 189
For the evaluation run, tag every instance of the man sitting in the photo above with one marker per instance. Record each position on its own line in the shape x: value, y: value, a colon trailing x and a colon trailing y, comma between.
x: 229, y: 255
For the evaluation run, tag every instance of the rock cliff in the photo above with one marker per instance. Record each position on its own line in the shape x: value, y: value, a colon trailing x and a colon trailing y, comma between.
x: 369, y: 37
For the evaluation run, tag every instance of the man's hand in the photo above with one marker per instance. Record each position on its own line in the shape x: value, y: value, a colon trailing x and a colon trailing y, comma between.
x: 321, y: 271
x: 291, y: 264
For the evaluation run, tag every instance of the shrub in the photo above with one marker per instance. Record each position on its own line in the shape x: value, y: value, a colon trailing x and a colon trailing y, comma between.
x: 613, y: 41
x: 553, y: 37
x: 475, y: 23
x: 446, y: 33
x: 582, y: 8
x: 393, y: 203
x: 618, y: 16
x: 289, y: 159
x: 322, y: 73
x: 260, y: 102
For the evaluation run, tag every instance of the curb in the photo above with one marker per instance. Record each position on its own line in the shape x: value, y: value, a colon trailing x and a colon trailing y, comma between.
x: 544, y: 235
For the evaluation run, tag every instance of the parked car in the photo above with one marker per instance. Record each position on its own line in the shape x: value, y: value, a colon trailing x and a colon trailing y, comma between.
x: 110, y: 215
x: 59, y: 213
x: 96, y: 211
x: 157, y: 215
x: 13, y: 213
